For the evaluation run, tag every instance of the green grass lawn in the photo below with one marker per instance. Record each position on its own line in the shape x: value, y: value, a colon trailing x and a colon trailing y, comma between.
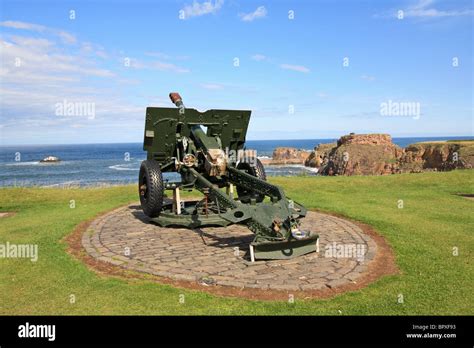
x: 423, y: 233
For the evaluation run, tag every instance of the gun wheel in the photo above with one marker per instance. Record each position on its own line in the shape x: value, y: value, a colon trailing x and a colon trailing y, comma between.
x: 255, y: 168
x: 151, y: 188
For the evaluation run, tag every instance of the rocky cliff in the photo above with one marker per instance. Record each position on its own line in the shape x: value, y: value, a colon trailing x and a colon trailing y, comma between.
x: 375, y: 154
x: 289, y: 155
x: 316, y: 157
x: 361, y: 154
x: 446, y: 155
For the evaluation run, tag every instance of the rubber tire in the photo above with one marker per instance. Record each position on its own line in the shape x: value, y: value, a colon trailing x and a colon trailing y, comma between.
x: 150, y: 175
x: 256, y: 170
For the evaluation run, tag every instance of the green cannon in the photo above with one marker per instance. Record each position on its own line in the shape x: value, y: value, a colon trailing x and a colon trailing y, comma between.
x: 208, y: 150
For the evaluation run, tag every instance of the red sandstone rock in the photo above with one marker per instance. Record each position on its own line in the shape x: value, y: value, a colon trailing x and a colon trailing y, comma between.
x: 289, y: 155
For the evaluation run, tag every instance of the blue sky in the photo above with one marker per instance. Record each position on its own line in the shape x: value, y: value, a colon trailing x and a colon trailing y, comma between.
x: 122, y: 56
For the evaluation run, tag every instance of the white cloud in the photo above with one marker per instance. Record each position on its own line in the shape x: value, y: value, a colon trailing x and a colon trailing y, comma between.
x: 258, y: 57
x: 160, y: 55
x: 35, y: 43
x: 212, y: 86
x: 93, y: 49
x: 157, y: 65
x: 162, y: 66
x: 260, y: 12
x: 66, y: 37
x: 199, y: 9
x: 40, y: 57
x: 299, y: 68
x: 368, y: 77
x: 23, y: 25
x: 63, y: 35
x: 166, y: 56
x: 423, y: 9
x: 38, y: 72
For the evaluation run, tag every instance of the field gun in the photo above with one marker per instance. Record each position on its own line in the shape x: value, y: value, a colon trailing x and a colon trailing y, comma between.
x: 208, y: 150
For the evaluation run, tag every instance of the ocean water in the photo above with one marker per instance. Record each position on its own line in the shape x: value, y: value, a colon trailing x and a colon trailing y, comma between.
x: 113, y: 164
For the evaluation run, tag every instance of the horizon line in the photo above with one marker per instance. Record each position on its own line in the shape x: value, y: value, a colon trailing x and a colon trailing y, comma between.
x: 112, y: 143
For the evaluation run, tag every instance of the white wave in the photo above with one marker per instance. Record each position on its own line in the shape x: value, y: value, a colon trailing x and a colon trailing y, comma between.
x: 311, y: 169
x: 123, y: 167
x: 299, y: 166
x: 22, y: 163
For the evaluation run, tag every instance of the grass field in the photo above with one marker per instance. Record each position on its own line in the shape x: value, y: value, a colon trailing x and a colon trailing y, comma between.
x: 424, y: 234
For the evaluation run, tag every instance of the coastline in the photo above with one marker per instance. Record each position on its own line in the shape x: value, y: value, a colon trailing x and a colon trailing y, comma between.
x: 100, y: 165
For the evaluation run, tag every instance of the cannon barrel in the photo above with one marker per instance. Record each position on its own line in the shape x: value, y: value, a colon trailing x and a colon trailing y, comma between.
x: 176, y: 99
x: 199, y: 136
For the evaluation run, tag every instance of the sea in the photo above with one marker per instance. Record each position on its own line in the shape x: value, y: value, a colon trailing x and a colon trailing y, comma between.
x: 117, y: 164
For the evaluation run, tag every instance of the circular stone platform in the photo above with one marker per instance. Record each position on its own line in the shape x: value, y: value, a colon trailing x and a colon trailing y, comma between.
x: 219, y: 255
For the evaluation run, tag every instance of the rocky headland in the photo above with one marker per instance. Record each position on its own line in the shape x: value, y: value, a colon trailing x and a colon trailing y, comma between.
x: 376, y: 154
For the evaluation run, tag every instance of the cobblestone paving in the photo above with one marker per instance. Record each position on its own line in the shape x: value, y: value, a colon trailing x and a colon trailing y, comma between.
x: 219, y: 255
